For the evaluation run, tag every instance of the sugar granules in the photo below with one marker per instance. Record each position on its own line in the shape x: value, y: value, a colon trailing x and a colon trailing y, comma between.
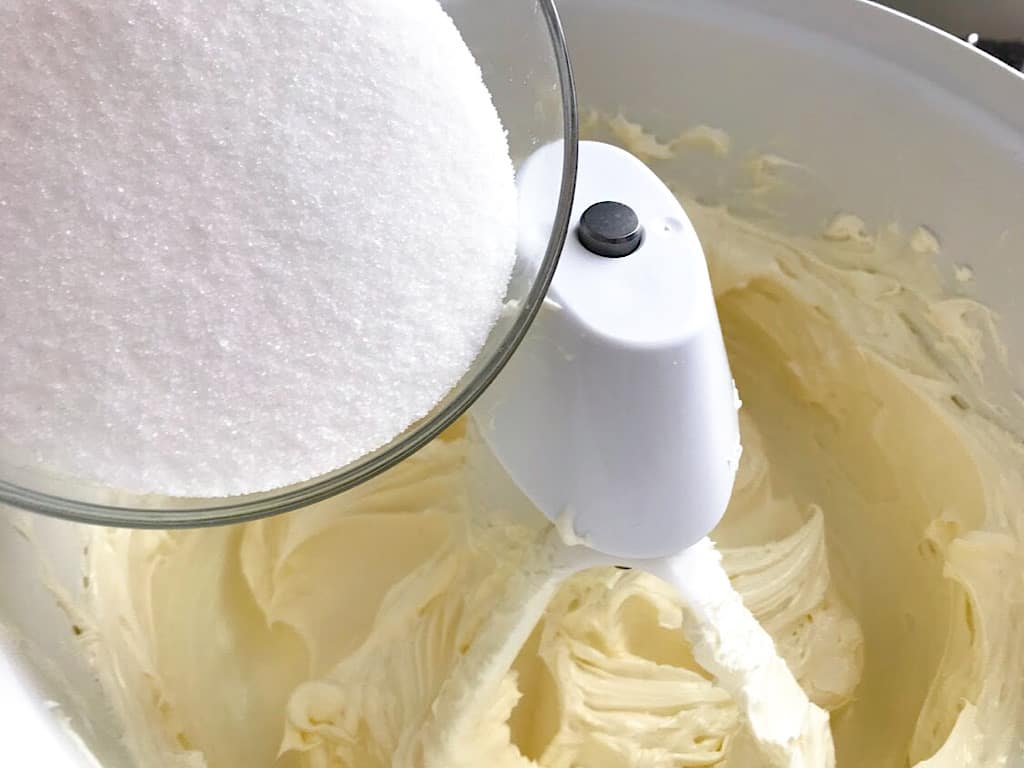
x: 241, y: 243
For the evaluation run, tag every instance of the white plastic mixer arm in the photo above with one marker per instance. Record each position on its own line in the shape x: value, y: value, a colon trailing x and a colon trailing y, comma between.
x: 618, y: 412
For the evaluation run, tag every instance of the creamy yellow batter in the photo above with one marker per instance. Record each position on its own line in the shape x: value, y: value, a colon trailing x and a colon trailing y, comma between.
x: 874, y: 531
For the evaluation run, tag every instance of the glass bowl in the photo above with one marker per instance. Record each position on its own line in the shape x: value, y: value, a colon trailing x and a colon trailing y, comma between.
x: 521, y: 50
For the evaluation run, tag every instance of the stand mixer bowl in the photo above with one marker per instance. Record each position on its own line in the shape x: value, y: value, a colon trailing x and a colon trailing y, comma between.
x: 521, y: 51
x: 892, y: 120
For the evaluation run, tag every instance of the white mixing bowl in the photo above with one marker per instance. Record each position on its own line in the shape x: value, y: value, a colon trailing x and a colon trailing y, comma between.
x: 896, y: 122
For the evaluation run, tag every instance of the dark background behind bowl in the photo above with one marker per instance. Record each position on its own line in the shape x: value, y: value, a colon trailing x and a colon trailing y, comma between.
x: 999, y: 23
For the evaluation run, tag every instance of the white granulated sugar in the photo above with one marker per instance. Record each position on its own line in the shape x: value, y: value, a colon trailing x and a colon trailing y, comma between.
x: 241, y: 243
